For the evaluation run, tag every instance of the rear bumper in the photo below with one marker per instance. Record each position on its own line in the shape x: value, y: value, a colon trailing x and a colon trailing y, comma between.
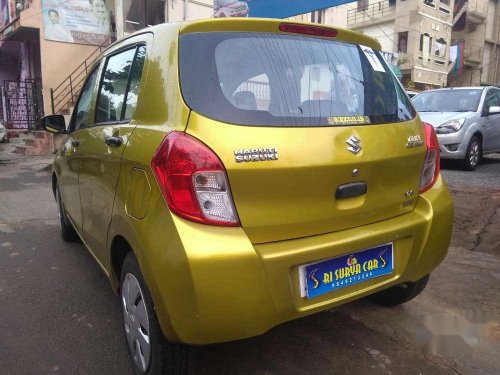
x: 212, y: 285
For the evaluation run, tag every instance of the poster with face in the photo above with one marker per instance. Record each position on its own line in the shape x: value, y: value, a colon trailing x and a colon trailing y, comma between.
x: 77, y: 21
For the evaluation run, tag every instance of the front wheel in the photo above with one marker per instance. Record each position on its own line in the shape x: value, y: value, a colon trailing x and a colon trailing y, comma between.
x: 148, y: 349
x: 400, y: 293
x: 473, y: 154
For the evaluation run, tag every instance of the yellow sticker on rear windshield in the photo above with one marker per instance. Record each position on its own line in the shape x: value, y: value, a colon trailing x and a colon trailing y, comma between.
x: 348, y: 120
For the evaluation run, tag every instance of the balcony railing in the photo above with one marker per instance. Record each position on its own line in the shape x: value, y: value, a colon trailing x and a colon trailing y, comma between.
x: 371, y: 13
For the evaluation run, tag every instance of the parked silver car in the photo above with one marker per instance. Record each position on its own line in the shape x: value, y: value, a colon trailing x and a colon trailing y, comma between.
x: 466, y: 119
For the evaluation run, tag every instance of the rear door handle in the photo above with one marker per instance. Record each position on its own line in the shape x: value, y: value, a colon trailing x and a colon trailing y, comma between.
x: 75, y: 143
x: 114, y: 141
x: 354, y: 189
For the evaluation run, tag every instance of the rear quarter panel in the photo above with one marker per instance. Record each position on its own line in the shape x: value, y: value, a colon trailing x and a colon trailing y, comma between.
x: 159, y: 111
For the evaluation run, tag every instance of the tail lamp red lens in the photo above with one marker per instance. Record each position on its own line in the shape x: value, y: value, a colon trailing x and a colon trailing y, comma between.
x: 432, y: 166
x: 193, y: 181
x: 308, y: 30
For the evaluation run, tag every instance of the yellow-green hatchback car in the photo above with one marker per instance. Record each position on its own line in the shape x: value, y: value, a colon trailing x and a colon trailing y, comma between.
x: 231, y: 175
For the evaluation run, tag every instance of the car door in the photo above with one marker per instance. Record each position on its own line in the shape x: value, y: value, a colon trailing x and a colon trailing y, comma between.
x: 491, y: 127
x: 105, y: 142
x: 69, y: 153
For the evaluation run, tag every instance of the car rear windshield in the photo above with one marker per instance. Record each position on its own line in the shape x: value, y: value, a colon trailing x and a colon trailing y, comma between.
x: 267, y: 79
x: 458, y: 100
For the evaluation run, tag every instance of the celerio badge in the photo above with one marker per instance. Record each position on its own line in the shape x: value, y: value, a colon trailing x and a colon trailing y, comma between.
x: 353, y: 144
x: 256, y: 154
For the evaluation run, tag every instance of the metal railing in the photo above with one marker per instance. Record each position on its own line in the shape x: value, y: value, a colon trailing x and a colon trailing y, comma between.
x: 370, y: 13
x: 65, y: 94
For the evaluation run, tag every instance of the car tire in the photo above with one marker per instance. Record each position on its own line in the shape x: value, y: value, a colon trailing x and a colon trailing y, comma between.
x: 140, y: 321
x: 399, y: 294
x: 473, y: 154
x: 68, y: 232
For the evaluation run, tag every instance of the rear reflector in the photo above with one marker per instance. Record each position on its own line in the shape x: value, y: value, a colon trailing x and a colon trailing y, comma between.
x: 431, y: 169
x: 308, y: 30
x: 193, y: 181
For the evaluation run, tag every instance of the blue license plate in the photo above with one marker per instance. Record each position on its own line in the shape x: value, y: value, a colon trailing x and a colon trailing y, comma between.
x: 332, y: 274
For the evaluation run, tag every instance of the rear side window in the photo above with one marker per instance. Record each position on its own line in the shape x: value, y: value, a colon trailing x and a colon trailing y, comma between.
x: 135, y: 80
x: 119, y: 87
x: 268, y: 79
x: 81, y: 111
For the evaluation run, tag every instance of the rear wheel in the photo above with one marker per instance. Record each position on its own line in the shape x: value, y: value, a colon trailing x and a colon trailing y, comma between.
x: 68, y: 233
x: 399, y: 294
x: 148, y: 349
x: 473, y: 154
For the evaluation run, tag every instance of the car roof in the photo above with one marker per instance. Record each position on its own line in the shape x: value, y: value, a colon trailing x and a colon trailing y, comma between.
x: 241, y: 24
x: 272, y: 25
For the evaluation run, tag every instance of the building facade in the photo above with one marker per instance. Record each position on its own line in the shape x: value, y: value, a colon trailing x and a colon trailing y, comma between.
x: 438, y: 42
x: 47, y: 46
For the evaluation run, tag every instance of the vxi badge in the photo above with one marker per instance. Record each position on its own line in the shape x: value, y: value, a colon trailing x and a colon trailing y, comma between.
x: 414, y: 141
x: 256, y: 154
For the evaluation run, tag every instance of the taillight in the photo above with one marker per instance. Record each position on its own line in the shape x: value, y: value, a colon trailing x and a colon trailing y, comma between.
x: 308, y: 30
x: 193, y: 181
x: 430, y: 172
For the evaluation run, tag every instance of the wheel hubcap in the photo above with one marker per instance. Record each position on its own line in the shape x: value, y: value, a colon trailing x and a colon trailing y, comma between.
x: 136, y: 322
x: 474, y: 154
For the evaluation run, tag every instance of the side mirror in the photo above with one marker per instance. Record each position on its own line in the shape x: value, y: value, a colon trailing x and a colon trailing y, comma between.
x: 54, y: 124
x: 493, y: 110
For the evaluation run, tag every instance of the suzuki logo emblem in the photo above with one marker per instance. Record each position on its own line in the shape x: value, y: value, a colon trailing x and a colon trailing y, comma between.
x: 353, y: 144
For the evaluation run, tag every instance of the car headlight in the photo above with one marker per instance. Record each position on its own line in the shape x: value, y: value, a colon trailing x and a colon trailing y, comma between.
x: 451, y: 126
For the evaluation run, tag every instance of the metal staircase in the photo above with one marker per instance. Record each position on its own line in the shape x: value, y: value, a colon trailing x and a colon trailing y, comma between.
x: 63, y: 97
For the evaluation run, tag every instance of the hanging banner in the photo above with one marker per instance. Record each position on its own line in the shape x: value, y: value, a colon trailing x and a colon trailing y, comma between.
x: 459, y: 59
x: 76, y: 21
x: 271, y: 8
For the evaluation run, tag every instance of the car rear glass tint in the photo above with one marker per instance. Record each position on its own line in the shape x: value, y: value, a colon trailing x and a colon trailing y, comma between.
x: 268, y: 79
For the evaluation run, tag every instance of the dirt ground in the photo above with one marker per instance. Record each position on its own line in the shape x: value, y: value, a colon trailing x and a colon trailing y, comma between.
x: 477, y: 219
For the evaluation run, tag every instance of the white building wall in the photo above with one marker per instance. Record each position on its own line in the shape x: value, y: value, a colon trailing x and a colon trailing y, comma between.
x: 487, y: 56
x: 385, y: 34
x: 490, y: 20
x: 336, y: 17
